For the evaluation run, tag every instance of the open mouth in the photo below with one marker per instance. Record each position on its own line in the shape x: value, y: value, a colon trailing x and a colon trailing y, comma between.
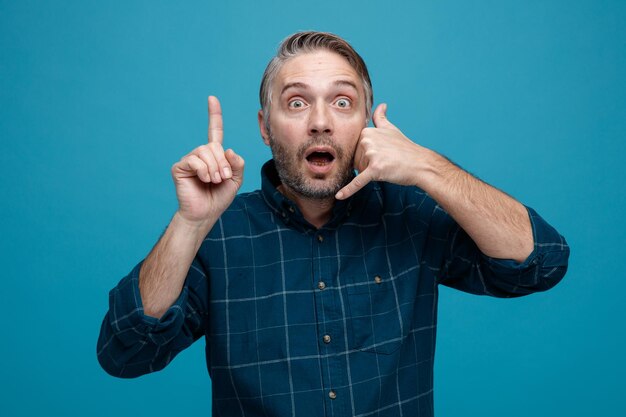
x: 320, y: 158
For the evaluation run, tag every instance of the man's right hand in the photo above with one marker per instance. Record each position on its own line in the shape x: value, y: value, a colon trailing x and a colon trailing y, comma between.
x: 208, y: 178
x: 207, y: 181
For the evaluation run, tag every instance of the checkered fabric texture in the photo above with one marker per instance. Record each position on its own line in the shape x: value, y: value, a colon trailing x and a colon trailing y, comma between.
x: 337, y: 321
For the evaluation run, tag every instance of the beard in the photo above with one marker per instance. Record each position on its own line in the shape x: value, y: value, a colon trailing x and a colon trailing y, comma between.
x: 319, y: 187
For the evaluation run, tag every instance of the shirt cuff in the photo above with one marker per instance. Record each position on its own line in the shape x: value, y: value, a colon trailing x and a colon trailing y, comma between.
x: 127, y: 318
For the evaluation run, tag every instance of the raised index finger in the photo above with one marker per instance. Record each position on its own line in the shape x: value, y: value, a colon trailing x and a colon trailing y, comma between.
x: 216, y: 128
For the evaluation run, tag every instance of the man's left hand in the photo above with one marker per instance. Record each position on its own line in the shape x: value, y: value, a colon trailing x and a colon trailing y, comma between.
x: 383, y: 153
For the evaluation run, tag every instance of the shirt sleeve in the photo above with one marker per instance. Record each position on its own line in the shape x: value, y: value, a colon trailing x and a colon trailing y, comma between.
x: 466, y: 268
x: 132, y: 344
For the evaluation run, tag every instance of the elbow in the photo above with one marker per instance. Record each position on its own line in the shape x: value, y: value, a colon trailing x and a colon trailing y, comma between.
x: 551, y: 270
x: 554, y: 265
x: 115, y: 358
x: 107, y: 360
x: 554, y: 268
x: 117, y: 368
x: 550, y: 277
x: 108, y: 364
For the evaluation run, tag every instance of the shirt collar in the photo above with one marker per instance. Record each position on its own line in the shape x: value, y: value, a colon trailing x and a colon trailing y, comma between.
x: 288, y: 211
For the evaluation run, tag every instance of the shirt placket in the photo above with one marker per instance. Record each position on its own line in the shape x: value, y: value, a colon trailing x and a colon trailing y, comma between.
x: 330, y: 323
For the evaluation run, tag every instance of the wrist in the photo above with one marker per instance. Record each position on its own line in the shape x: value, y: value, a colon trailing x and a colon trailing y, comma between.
x: 195, y: 229
x: 433, y: 171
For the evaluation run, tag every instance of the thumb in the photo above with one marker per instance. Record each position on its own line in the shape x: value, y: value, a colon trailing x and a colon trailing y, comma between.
x: 380, y: 117
x: 236, y: 164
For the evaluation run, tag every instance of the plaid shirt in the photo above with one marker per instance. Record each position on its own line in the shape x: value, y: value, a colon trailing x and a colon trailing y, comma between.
x: 336, y: 321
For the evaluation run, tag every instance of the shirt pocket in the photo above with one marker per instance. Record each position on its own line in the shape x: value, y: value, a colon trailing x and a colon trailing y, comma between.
x: 378, y: 319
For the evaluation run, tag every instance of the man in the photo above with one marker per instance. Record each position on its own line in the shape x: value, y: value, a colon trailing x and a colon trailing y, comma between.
x: 317, y: 294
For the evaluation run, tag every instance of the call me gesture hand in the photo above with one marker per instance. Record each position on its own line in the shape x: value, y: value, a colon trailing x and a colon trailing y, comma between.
x: 208, y: 178
x: 497, y: 223
x: 383, y: 153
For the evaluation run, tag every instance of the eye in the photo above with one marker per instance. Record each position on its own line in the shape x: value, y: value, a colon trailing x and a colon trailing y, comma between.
x: 343, y: 103
x: 296, y: 104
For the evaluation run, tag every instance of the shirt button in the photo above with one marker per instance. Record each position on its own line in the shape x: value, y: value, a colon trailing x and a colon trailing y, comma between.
x: 291, y: 209
x: 320, y: 238
x: 326, y: 339
x: 332, y: 394
x: 321, y: 285
x: 378, y: 279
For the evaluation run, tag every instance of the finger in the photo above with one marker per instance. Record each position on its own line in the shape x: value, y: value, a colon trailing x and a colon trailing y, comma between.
x: 207, y: 157
x: 355, y: 185
x: 380, y: 117
x: 359, y: 161
x: 222, y: 164
x: 195, y: 166
x: 216, y: 126
x: 236, y: 163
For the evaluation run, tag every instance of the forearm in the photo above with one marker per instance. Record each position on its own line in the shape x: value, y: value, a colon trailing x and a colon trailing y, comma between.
x: 163, y: 273
x: 497, y: 223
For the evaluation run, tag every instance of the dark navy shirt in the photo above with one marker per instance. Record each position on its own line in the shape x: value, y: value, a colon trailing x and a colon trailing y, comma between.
x: 336, y: 321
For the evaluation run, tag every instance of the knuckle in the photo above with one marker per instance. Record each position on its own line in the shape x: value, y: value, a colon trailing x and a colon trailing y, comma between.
x: 375, y: 165
x: 215, y: 146
x: 200, y: 154
x: 370, y: 151
x: 181, y: 164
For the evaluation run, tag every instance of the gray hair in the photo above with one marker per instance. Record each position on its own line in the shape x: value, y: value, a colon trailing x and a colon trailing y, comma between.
x: 305, y: 42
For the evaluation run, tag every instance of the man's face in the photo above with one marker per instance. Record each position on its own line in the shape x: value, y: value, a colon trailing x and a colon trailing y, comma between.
x: 316, y: 118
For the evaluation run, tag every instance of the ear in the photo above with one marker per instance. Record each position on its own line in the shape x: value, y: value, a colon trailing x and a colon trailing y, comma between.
x: 264, y: 133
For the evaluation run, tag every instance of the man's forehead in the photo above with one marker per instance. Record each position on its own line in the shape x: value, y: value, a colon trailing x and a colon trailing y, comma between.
x: 318, y: 66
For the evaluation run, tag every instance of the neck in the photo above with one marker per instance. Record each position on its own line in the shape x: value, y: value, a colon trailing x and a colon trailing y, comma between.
x: 315, y: 211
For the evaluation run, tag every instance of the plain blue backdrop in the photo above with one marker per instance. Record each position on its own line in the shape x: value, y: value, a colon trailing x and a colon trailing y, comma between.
x: 99, y: 99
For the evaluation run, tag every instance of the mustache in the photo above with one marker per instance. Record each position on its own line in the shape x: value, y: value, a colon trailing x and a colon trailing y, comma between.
x: 320, y: 140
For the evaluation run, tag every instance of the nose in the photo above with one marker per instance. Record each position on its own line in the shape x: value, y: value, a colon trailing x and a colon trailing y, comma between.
x: 320, y: 120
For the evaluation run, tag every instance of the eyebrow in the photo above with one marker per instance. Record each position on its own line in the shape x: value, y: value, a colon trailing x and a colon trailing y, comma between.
x: 338, y: 83
x: 346, y: 83
x: 293, y: 85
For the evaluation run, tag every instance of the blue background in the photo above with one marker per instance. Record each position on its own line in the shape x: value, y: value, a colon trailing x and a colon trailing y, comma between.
x: 99, y: 99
